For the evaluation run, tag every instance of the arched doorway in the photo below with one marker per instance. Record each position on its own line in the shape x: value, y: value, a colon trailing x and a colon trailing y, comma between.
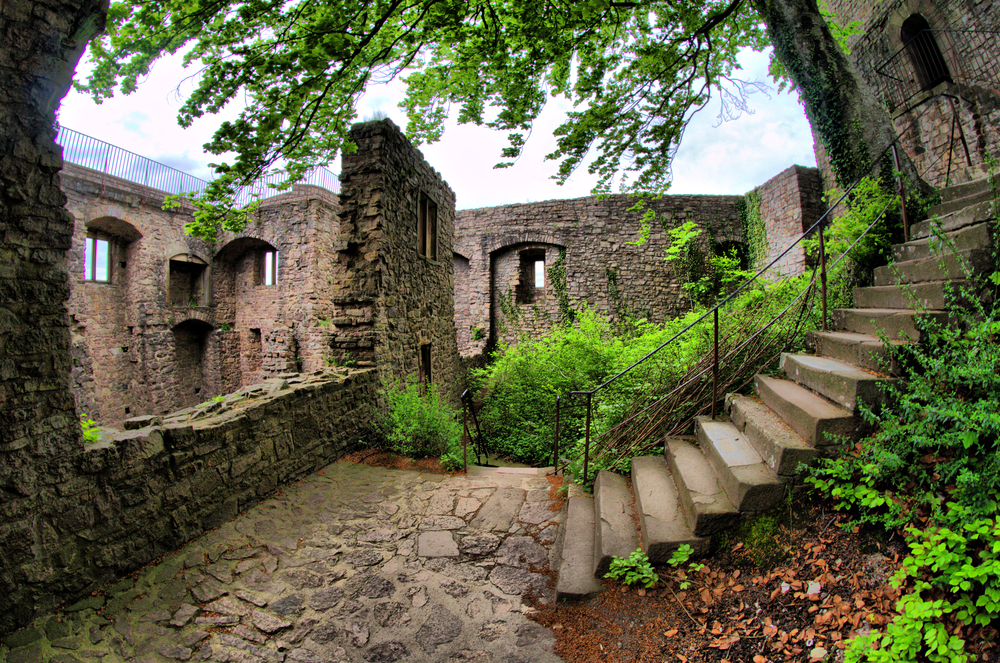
x: 928, y: 63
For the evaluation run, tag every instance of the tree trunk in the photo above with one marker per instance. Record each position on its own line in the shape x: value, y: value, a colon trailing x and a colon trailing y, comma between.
x: 854, y: 127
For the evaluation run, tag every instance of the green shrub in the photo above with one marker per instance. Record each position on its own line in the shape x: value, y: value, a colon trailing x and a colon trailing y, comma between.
x: 91, y: 431
x: 633, y: 570
x: 417, y: 424
x: 956, y: 576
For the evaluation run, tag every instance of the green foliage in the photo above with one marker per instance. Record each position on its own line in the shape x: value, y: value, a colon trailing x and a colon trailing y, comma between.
x: 956, y: 578
x: 91, y: 431
x: 477, y: 334
x: 868, y: 200
x: 557, y: 277
x: 417, y: 423
x: 633, y: 570
x: 754, y: 230
x: 939, y: 438
x: 679, y: 558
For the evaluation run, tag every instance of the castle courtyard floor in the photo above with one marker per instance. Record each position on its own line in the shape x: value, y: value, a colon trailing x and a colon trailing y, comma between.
x: 352, y: 563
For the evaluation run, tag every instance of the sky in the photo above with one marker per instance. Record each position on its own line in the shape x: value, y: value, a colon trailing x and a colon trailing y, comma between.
x: 731, y: 158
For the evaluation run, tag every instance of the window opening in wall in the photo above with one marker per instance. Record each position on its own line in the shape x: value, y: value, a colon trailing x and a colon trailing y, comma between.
x: 425, y: 364
x: 531, y: 277
x: 427, y: 227
x: 188, y: 285
x: 254, y: 350
x: 97, y: 260
x: 269, y: 268
x: 928, y: 63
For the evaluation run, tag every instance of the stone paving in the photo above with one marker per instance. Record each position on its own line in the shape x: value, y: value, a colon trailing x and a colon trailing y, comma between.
x: 353, y: 563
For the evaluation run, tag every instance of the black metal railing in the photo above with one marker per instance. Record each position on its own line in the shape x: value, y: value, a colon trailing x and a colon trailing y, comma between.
x: 114, y: 161
x: 478, y: 444
x: 712, y: 366
x: 930, y: 57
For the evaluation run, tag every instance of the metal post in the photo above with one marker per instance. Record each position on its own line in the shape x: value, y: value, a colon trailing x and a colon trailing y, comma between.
x: 902, y: 197
x: 555, y: 444
x: 715, y: 364
x: 822, y: 272
x: 586, y: 447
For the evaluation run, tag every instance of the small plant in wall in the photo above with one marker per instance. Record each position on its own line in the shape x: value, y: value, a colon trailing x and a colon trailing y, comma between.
x: 633, y: 570
x: 478, y: 333
x: 91, y: 432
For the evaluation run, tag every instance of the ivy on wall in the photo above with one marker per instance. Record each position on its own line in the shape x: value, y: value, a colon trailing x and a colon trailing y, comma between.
x: 754, y: 230
x: 557, y: 276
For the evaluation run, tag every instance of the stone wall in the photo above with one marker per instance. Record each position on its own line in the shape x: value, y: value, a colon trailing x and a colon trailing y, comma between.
x: 495, y: 249
x: 973, y: 95
x: 181, y: 320
x: 394, y: 294
x: 118, y: 503
x: 790, y: 203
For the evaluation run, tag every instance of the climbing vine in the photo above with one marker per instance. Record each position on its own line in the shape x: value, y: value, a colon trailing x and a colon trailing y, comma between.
x: 557, y: 276
x: 754, y: 230
x: 626, y: 317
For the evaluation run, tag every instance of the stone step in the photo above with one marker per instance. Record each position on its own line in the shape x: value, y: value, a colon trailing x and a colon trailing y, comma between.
x: 781, y: 448
x: 614, y: 528
x: 978, y: 213
x: 490, y: 471
x: 707, y: 507
x: 663, y: 527
x: 930, y: 295
x: 965, y: 190
x: 957, y: 265
x: 842, y: 383
x: 576, y: 568
x: 821, y: 423
x: 960, y: 197
x: 971, y: 237
x: 748, y: 481
x: 894, y: 323
x: 863, y: 350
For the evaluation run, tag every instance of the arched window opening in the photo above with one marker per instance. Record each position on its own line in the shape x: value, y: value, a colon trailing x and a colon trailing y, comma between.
x: 928, y: 63
x: 97, y: 260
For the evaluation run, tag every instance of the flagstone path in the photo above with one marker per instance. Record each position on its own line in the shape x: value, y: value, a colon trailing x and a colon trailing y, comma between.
x: 353, y: 563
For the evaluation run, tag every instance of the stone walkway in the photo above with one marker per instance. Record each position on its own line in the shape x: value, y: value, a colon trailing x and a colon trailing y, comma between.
x: 353, y: 563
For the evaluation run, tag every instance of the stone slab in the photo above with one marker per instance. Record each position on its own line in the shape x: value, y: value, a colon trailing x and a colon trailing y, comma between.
x: 576, y: 568
x: 615, y: 533
x: 748, y: 481
x: 707, y: 507
x: 780, y: 447
x: 663, y: 527
x: 820, y: 422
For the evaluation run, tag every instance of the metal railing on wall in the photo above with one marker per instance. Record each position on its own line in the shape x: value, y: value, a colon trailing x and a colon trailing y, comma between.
x: 699, y: 389
x: 108, y: 159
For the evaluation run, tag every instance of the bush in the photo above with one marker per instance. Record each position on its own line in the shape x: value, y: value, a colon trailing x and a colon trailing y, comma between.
x: 418, y: 424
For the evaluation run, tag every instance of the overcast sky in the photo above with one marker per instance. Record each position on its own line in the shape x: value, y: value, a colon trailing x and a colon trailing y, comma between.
x: 729, y: 159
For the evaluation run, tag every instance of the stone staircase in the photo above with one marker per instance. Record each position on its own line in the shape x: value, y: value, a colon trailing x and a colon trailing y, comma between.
x: 741, y: 463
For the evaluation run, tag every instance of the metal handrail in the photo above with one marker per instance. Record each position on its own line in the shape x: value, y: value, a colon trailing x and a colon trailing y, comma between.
x: 478, y: 445
x: 588, y: 395
x: 108, y: 159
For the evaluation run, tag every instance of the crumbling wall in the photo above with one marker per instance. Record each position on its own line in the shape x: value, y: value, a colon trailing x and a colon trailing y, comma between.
x: 147, y: 490
x: 396, y: 299
x: 597, y: 241
x: 790, y: 203
x: 925, y: 122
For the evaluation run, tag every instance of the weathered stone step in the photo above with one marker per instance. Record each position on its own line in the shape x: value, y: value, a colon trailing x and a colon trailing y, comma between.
x: 957, y: 265
x: 978, y: 213
x: 820, y: 422
x: 707, y: 507
x: 931, y: 295
x: 576, y: 568
x: 480, y: 471
x: 894, y: 323
x: 863, y: 350
x: 969, y: 194
x: 966, y: 190
x: 748, y: 481
x: 662, y: 525
x: 844, y: 384
x: 972, y: 237
x: 614, y: 529
x: 781, y: 448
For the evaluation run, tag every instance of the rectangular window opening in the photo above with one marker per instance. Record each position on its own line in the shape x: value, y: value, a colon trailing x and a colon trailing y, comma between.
x: 97, y: 260
x: 425, y: 364
x: 269, y: 268
x: 531, y: 278
x: 427, y: 227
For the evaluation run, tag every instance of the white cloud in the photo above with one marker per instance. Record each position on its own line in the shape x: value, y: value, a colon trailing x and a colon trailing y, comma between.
x: 729, y: 159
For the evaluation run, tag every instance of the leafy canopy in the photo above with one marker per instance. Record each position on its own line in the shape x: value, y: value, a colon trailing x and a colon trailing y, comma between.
x: 634, y: 71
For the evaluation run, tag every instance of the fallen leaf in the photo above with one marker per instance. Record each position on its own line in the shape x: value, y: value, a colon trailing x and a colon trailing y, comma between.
x: 738, y: 588
x: 759, y: 659
x: 671, y: 633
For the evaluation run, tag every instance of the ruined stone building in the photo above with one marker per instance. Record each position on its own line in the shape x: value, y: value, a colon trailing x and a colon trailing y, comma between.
x: 935, y: 64
x: 162, y: 321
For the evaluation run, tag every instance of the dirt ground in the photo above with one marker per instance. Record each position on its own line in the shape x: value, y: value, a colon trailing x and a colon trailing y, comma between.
x: 772, y: 592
